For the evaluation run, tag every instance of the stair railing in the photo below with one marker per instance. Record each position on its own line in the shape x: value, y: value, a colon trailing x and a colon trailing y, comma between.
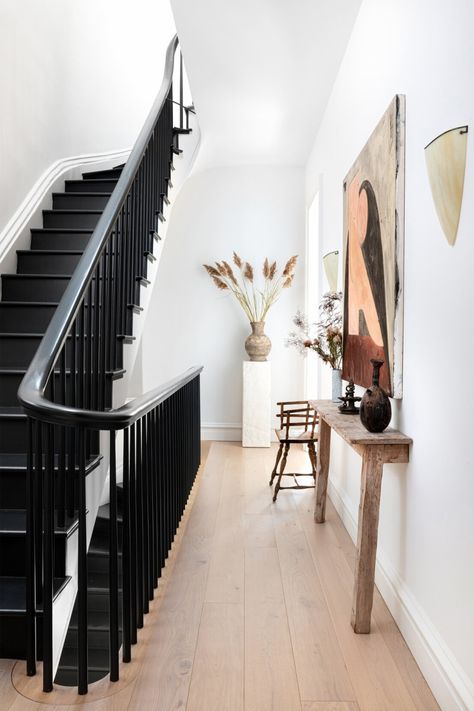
x: 66, y: 394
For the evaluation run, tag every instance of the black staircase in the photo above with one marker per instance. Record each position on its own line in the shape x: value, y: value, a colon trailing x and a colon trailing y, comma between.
x: 64, y: 319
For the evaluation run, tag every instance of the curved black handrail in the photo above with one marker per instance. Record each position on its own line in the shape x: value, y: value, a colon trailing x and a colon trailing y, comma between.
x: 31, y: 393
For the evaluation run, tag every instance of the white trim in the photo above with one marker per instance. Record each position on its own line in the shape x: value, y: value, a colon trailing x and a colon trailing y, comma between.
x: 222, y: 431
x: 42, y: 188
x: 451, y: 686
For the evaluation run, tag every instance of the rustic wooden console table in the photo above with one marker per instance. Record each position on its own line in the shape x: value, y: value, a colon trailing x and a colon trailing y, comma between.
x: 376, y: 450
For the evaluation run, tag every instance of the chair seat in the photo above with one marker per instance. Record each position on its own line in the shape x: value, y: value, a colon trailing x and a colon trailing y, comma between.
x: 295, y: 437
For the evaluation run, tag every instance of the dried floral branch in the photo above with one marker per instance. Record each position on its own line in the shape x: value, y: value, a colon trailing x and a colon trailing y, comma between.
x: 255, y: 302
x: 327, y: 341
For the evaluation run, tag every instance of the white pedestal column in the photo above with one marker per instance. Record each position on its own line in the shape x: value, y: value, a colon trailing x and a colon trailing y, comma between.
x: 256, y: 414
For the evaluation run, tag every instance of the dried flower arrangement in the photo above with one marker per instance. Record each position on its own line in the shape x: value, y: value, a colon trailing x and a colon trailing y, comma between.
x: 255, y: 302
x: 327, y: 342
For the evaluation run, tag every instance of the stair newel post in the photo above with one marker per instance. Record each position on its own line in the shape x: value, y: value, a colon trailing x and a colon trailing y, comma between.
x: 126, y: 573
x: 48, y: 547
x: 133, y: 538
x: 113, y: 564
x: 30, y: 555
x: 82, y: 567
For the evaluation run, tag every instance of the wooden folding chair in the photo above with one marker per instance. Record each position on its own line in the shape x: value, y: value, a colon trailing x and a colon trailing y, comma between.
x: 297, y: 426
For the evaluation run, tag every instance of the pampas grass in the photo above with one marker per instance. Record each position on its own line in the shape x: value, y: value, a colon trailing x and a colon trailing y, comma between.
x: 255, y: 302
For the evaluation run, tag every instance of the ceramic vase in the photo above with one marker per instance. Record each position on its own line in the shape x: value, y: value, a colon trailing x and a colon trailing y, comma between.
x: 375, y: 409
x: 336, y: 384
x: 258, y: 345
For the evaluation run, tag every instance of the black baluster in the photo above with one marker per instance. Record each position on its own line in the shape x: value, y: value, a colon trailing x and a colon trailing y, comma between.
x: 82, y: 568
x: 48, y: 547
x: 30, y: 555
x: 113, y: 564
x: 126, y: 567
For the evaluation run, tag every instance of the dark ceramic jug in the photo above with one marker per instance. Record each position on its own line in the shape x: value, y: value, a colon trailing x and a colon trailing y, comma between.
x: 375, y: 409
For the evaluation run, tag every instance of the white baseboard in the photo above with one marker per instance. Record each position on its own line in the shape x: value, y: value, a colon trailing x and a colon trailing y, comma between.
x: 222, y: 431
x: 451, y: 686
x: 27, y: 212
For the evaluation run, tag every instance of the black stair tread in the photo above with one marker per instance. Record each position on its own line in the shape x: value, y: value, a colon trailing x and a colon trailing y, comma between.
x: 60, y: 230
x: 93, y: 181
x: 12, y: 411
x: 13, y: 593
x: 18, y: 460
x: 106, y: 174
x: 13, y: 521
x: 50, y: 251
x: 104, y: 194
x: 74, y: 210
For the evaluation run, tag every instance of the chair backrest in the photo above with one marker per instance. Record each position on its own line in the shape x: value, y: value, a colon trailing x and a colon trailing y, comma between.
x: 293, y: 416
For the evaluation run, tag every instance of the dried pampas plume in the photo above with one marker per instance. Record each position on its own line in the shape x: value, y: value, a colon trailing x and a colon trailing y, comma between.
x: 254, y: 300
x: 210, y: 270
x: 290, y: 265
x: 237, y: 261
x: 219, y: 283
x: 248, y: 273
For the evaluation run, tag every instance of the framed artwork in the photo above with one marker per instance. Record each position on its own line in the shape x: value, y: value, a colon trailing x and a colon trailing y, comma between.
x: 373, y: 255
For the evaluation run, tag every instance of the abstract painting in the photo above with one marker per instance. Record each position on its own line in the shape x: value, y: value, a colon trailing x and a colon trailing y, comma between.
x: 373, y: 255
x: 446, y: 165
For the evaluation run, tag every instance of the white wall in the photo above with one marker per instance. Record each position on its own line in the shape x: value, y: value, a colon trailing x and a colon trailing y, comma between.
x: 257, y: 211
x: 76, y: 77
x: 424, y: 50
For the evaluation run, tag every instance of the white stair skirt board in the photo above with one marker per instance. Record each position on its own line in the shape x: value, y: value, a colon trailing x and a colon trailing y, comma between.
x: 256, y: 402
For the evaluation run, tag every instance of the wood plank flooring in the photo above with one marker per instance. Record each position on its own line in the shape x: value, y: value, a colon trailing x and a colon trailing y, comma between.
x: 253, y: 614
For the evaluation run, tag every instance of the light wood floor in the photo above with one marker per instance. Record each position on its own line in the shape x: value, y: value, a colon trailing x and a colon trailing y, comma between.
x: 254, y: 612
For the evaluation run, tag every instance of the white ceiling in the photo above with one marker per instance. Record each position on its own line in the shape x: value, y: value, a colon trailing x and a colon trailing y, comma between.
x: 261, y: 72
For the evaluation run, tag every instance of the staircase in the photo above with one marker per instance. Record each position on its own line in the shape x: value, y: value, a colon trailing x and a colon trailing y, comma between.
x: 65, y: 317
x: 29, y: 299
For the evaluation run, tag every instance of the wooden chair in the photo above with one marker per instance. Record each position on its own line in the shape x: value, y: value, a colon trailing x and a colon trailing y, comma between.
x: 305, y: 419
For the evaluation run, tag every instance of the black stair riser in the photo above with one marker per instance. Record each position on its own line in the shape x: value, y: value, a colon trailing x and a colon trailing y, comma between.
x: 13, y: 488
x: 90, y: 186
x: 22, y: 287
x: 10, y: 382
x: 57, y: 239
x: 79, y: 201
x: 19, y: 287
x: 71, y: 219
x: 13, y: 636
x: 96, y: 639
x: 13, y: 557
x: 37, y: 263
x: 111, y: 174
x: 25, y: 318
x: 14, y: 436
x: 97, y: 563
x: 18, y: 351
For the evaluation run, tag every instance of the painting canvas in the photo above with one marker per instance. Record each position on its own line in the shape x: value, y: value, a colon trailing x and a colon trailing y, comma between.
x: 373, y: 255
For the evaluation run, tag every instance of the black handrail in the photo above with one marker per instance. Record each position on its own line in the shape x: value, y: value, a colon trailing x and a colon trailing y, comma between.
x: 31, y: 393
x: 66, y: 394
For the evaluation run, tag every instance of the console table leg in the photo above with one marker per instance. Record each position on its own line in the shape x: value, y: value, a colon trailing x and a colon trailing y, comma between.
x: 372, y: 468
x: 322, y: 469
